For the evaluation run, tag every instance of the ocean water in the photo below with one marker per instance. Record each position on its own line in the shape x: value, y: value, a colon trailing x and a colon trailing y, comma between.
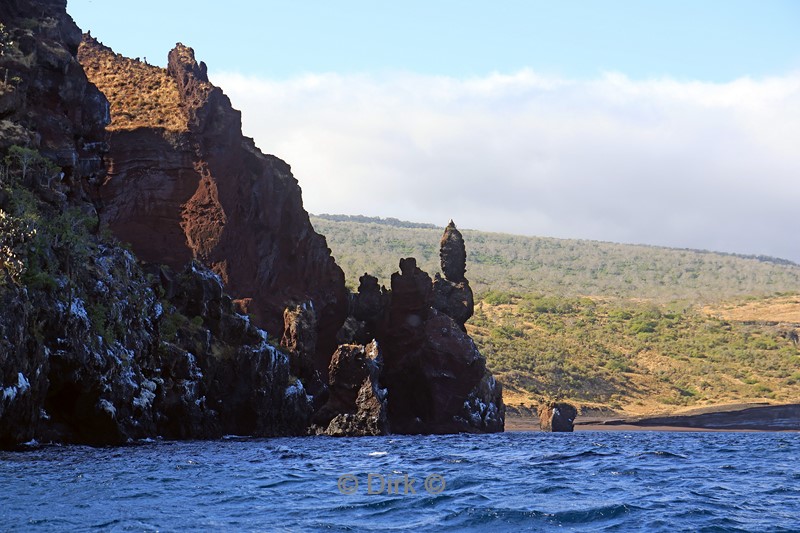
x: 585, y: 481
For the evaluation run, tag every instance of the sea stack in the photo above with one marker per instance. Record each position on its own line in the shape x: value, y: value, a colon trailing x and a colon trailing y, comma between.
x: 436, y: 378
x: 452, y: 294
x: 557, y: 417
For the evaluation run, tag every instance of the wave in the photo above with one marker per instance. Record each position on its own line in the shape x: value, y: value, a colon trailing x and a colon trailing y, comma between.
x: 562, y: 457
x: 662, y: 454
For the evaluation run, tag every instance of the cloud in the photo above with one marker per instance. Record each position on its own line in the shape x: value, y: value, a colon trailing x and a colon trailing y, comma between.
x: 663, y: 162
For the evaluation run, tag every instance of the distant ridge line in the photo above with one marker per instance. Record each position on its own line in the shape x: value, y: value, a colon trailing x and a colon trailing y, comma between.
x: 397, y: 223
x: 761, y: 258
x: 389, y: 221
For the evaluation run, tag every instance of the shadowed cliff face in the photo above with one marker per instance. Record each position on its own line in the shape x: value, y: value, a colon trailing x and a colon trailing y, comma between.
x: 93, y: 350
x: 436, y: 377
x: 46, y: 101
x: 183, y: 182
x: 47, y: 105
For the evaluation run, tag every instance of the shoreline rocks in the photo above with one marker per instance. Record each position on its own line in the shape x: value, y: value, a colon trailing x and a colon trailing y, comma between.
x: 557, y: 417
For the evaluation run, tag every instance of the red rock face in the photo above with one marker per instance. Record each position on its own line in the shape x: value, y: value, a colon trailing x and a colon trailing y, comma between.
x: 150, y: 179
x: 205, y: 191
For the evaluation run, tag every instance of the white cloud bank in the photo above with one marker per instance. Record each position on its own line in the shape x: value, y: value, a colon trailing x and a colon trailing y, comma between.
x: 663, y: 162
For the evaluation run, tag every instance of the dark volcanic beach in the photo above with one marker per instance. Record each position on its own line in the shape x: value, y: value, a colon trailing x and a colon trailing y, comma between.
x: 736, y: 417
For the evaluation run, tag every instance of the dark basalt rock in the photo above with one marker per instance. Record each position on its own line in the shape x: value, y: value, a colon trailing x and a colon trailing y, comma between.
x: 452, y: 254
x: 557, y: 417
x: 300, y: 339
x: 81, y: 368
x: 453, y: 299
x: 23, y: 370
x: 116, y: 364
x: 367, y: 311
x: 370, y: 302
x: 436, y: 378
x: 356, y: 404
x: 412, y: 293
x: 49, y: 104
x: 241, y: 383
x: 452, y: 294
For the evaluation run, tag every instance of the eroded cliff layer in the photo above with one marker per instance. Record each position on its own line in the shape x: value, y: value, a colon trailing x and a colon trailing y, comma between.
x: 92, y: 348
x: 184, y: 183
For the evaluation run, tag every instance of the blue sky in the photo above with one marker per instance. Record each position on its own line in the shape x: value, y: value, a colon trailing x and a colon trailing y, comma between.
x: 689, y: 39
x: 671, y: 123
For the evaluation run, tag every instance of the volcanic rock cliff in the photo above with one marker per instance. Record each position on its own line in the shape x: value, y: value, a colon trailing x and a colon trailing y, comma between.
x: 93, y: 349
x: 46, y: 101
x: 102, y: 345
x: 184, y: 183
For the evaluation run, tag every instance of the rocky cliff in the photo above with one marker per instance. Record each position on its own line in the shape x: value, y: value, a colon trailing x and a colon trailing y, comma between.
x: 102, y: 344
x: 557, y: 417
x: 46, y: 101
x: 93, y: 349
x: 184, y: 183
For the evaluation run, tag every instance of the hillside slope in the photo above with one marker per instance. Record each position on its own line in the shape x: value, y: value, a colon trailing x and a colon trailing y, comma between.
x: 633, y: 356
x: 566, y: 267
x: 639, y: 329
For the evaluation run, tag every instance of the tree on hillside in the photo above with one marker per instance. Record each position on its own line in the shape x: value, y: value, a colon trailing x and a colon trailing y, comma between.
x: 15, y: 233
x: 5, y: 40
x: 27, y: 164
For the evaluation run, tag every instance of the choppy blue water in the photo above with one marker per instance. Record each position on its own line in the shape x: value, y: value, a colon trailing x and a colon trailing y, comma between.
x: 588, y: 481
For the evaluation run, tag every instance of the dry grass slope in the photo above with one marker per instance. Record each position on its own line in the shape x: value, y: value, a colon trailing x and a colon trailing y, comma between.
x: 640, y: 358
x: 778, y: 310
x: 141, y: 95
